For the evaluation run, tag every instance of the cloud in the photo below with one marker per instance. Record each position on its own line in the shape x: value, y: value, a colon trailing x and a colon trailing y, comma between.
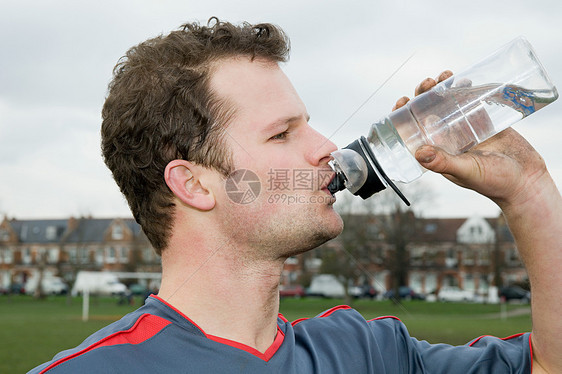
x: 58, y: 56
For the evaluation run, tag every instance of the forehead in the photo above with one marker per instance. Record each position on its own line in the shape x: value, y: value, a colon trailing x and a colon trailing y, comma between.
x: 258, y: 91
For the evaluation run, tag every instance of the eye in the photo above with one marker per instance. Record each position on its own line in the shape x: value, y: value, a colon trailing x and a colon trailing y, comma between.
x: 280, y: 136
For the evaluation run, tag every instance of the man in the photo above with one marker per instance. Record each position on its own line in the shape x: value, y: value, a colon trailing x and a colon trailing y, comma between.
x: 184, y: 112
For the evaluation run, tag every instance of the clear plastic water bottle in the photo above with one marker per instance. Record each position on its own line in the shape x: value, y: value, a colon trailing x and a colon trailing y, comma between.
x: 455, y: 115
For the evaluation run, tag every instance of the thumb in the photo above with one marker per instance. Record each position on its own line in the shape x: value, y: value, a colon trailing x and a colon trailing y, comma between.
x: 456, y: 168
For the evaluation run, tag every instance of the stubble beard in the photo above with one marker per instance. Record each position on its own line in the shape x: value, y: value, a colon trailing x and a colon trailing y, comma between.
x: 279, y: 236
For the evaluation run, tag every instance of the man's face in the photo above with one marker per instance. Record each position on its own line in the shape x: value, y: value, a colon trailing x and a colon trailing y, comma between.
x: 269, y: 135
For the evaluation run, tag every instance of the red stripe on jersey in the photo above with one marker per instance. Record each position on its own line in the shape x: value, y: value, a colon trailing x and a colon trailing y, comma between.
x: 145, y: 328
x: 266, y: 356
x: 483, y: 336
x: 384, y: 317
x: 325, y: 314
x: 531, y: 348
x: 332, y: 310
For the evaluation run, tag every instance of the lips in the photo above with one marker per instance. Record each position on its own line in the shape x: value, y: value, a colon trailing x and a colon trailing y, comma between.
x: 324, y: 187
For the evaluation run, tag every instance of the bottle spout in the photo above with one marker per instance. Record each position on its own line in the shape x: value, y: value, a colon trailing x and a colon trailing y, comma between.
x: 337, y: 184
x: 358, y: 170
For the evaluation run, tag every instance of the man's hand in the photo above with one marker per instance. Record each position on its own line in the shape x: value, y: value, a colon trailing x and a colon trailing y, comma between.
x: 504, y: 168
x: 509, y: 171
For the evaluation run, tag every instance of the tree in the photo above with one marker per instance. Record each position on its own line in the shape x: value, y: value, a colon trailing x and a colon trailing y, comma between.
x: 41, y: 264
x: 398, y: 226
x: 382, y: 221
x: 348, y: 255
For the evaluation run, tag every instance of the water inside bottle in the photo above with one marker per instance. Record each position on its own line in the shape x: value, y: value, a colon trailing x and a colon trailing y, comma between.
x: 457, y: 118
x: 453, y: 118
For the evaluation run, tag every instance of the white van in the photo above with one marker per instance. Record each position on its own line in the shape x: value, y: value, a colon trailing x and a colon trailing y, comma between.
x: 326, y: 285
x: 98, y: 282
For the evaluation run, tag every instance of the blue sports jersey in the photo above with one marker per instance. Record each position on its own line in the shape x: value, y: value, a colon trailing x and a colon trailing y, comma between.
x: 157, y: 338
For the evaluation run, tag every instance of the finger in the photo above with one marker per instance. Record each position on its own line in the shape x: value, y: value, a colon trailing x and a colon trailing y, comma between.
x: 425, y: 85
x: 456, y: 168
x: 401, y: 102
x: 444, y: 76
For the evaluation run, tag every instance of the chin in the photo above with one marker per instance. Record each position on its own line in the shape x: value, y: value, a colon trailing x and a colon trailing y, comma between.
x: 305, y: 239
x: 329, y: 228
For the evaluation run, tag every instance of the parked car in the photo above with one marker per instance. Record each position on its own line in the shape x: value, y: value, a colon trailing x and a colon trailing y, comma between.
x: 515, y: 293
x: 50, y: 286
x: 365, y: 291
x: 16, y: 289
x: 138, y: 289
x: 452, y: 293
x: 292, y: 291
x: 406, y: 293
x: 326, y: 285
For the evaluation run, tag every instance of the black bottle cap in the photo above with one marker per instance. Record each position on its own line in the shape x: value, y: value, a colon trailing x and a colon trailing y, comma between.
x: 373, y: 183
x: 364, y: 145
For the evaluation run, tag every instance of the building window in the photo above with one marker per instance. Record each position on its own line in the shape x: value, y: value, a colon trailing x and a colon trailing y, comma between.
x: 483, y: 283
x: 450, y: 281
x: 110, y: 257
x: 416, y: 256
x: 72, y: 255
x: 431, y: 228
x: 84, y: 256
x: 451, y: 259
x: 476, y: 230
x: 147, y: 254
x: 124, y: 255
x: 380, y: 281
x: 53, y: 255
x: 51, y: 233
x: 3, y: 255
x: 468, y: 283
x: 430, y: 282
x: 4, y: 235
x: 7, y: 256
x: 431, y: 256
x: 99, y: 256
x: 416, y: 282
x: 483, y: 257
x: 26, y: 256
x: 468, y: 256
x: 117, y: 232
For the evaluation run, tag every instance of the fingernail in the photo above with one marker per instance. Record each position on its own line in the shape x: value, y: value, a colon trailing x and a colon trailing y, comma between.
x: 425, y: 155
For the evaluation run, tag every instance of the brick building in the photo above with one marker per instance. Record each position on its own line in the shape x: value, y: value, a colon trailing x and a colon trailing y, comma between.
x: 472, y: 253
x: 63, y: 247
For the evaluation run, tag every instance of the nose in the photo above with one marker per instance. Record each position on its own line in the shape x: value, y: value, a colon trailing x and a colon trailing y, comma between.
x: 319, y: 148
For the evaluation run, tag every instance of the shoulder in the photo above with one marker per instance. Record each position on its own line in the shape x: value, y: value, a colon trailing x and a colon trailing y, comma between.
x: 344, y: 322
x: 342, y: 340
x: 133, y: 329
x: 345, y: 316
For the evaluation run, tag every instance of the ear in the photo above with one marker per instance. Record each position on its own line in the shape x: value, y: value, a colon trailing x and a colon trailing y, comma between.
x: 184, y: 179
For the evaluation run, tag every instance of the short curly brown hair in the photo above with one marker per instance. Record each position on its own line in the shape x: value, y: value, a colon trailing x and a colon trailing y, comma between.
x: 159, y: 108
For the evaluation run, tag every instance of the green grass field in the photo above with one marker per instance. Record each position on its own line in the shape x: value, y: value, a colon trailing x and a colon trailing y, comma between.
x: 32, y: 331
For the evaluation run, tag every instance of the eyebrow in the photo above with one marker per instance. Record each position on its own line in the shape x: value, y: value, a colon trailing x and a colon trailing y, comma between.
x: 285, y: 121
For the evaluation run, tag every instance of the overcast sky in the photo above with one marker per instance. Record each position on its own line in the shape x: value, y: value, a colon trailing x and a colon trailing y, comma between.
x: 56, y: 60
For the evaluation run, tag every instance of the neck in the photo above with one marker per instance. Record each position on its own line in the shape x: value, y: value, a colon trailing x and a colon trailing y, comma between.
x: 235, y: 300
